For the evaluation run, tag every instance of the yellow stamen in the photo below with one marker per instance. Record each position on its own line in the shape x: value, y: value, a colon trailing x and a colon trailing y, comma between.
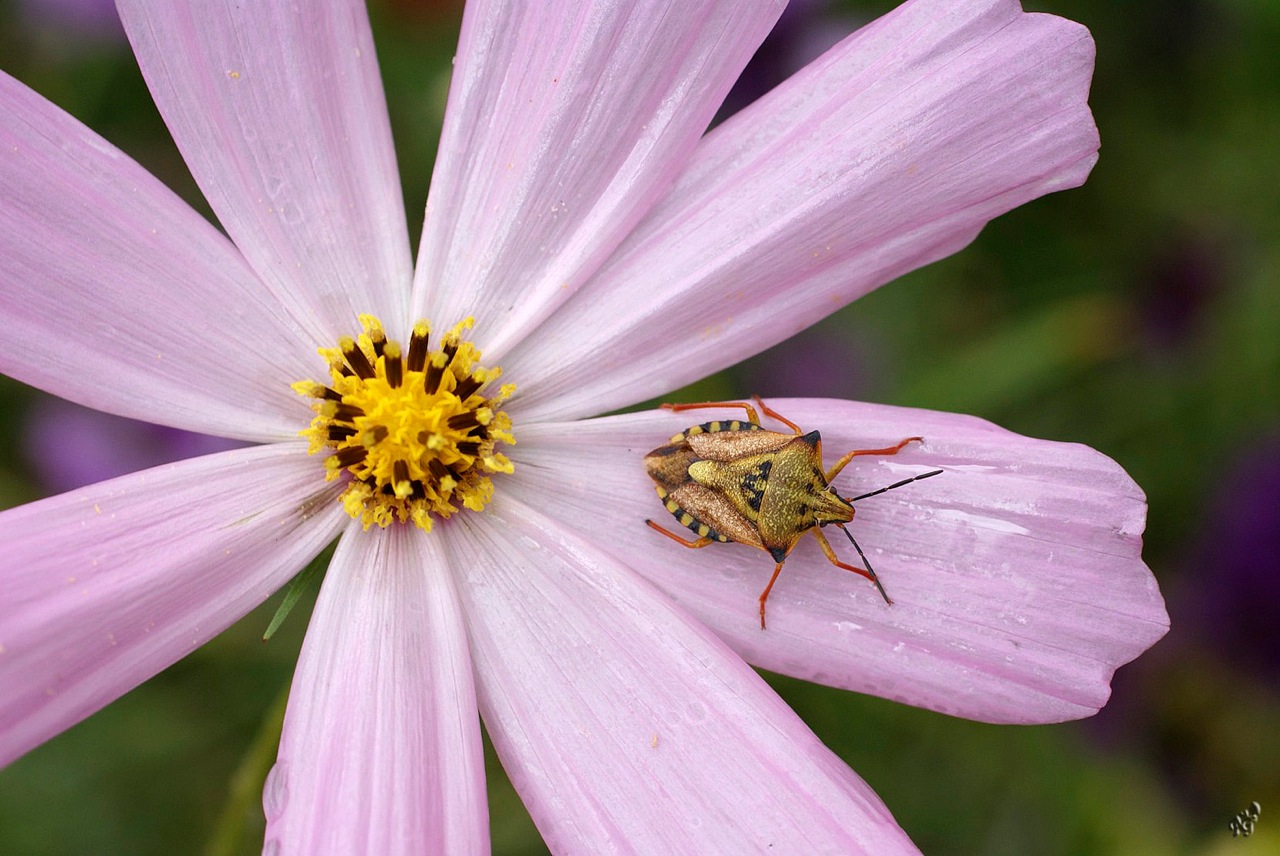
x: 414, y: 430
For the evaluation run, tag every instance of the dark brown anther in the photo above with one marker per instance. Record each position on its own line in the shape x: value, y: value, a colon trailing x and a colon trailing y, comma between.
x: 471, y: 449
x: 379, y: 341
x: 463, y: 420
x: 346, y: 412
x: 417, y: 360
x: 395, y: 369
x: 351, y: 455
x: 338, y: 433
x: 466, y: 387
x: 449, y: 349
x: 432, y: 381
x: 358, y: 361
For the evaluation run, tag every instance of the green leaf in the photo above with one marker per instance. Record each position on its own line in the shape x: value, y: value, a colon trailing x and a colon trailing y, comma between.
x: 297, y: 586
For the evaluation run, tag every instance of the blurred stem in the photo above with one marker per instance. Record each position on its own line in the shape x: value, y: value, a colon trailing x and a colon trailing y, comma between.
x: 244, y: 797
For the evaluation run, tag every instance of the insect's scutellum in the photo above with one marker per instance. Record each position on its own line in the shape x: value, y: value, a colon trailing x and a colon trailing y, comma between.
x: 414, y: 431
x: 732, y: 480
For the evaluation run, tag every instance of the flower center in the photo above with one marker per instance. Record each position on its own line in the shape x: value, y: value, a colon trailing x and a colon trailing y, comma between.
x: 415, y: 432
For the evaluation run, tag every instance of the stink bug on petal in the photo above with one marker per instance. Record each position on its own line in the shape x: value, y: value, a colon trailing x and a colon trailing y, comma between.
x: 731, y: 480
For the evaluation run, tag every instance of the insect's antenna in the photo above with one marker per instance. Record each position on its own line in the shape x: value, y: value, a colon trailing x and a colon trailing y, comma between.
x: 867, y: 564
x: 892, y: 487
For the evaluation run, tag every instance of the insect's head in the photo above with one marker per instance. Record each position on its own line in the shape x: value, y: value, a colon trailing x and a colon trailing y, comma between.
x: 830, y: 507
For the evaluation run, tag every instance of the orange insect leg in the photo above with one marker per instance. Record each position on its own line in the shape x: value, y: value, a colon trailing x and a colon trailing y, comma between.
x: 751, y: 411
x: 704, y: 405
x: 831, y: 557
x: 764, y: 595
x: 700, y: 542
x: 891, y: 450
x: 769, y: 411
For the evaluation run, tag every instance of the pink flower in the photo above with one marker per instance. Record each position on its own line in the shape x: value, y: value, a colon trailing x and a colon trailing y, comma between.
x: 609, y: 252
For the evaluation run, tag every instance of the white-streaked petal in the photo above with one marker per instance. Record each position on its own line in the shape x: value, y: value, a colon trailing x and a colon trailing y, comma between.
x: 279, y: 112
x: 890, y: 151
x: 565, y: 123
x: 118, y: 296
x: 628, y: 728
x: 381, y: 748
x: 1016, y: 576
x: 107, y: 585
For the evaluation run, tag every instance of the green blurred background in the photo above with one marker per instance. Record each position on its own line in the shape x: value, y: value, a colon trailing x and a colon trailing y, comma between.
x: 1139, y: 314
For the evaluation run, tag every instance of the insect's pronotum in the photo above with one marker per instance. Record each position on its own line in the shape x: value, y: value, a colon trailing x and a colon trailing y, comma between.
x: 730, y: 480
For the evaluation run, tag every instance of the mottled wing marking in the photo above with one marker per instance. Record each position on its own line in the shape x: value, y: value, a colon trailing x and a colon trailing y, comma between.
x: 669, y: 465
x: 717, y: 471
x: 742, y: 482
x: 701, y: 503
x: 729, y: 444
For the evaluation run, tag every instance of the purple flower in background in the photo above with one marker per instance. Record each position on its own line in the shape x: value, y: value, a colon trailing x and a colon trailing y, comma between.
x: 805, y: 30
x: 81, y: 19
x: 608, y: 252
x: 1231, y: 567
x: 815, y: 365
x: 69, y: 446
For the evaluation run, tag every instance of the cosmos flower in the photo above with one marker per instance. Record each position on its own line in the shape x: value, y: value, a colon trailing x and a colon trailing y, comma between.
x: 608, y: 252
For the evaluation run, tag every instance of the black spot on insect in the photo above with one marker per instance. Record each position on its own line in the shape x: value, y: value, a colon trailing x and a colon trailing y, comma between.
x: 753, y: 484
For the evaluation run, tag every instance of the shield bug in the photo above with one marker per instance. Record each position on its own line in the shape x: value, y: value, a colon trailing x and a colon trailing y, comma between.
x: 732, y: 480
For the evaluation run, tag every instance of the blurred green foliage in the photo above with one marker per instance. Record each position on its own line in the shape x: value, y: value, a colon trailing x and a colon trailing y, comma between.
x: 1139, y: 314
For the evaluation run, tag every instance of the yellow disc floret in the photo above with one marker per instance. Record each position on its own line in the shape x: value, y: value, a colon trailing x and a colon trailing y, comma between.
x: 414, y: 431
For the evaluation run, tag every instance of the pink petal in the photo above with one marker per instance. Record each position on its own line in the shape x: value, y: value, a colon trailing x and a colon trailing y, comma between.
x: 1016, y: 577
x: 565, y: 124
x: 279, y: 112
x: 381, y: 749
x: 116, y: 295
x: 625, y: 726
x: 890, y: 151
x: 109, y: 584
